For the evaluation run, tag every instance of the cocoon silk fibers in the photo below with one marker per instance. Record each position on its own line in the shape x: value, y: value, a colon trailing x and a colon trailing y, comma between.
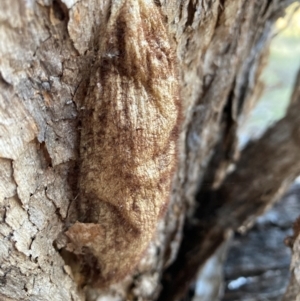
x: 128, y: 145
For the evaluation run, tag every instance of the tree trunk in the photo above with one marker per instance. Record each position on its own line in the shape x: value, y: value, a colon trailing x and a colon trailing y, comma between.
x: 51, y: 52
x: 258, y: 263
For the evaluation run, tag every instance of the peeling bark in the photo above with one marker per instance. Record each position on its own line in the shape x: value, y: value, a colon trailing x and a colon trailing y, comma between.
x: 47, y: 49
x: 265, y: 170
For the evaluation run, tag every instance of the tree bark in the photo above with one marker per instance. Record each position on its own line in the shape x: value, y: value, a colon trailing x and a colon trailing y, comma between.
x: 47, y: 49
x: 293, y: 290
x: 258, y: 261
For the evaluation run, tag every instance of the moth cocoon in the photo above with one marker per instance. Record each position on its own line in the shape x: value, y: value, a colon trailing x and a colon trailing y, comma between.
x: 128, y: 143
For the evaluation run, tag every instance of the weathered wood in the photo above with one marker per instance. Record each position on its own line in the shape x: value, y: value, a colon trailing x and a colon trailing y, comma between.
x: 258, y: 261
x: 265, y: 170
x: 293, y: 290
x: 47, y: 49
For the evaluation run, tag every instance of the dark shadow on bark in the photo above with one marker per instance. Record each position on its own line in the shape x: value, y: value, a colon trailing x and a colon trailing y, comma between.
x: 265, y: 170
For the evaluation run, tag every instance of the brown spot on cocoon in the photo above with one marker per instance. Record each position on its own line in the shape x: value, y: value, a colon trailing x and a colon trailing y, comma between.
x: 128, y: 143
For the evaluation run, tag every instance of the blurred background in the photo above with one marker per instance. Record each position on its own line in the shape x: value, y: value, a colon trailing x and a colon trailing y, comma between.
x: 278, y: 76
x: 254, y: 266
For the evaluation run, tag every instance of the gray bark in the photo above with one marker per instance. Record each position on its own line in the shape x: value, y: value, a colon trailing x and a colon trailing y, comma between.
x: 258, y: 264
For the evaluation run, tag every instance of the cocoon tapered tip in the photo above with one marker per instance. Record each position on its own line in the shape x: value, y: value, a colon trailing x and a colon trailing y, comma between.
x: 128, y: 145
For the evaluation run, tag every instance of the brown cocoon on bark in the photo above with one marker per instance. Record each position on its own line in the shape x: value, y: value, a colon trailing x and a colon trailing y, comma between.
x: 130, y: 123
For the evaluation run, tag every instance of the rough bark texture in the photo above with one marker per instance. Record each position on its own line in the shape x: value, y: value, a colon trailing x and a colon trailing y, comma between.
x: 265, y: 170
x: 257, y: 267
x: 293, y: 290
x: 47, y: 49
